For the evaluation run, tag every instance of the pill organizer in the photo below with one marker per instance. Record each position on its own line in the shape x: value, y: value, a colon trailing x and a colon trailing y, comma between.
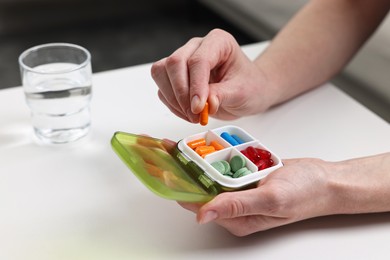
x: 179, y: 173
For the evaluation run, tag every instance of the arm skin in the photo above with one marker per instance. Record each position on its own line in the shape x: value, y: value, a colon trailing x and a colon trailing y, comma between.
x: 318, y: 42
x: 302, y: 189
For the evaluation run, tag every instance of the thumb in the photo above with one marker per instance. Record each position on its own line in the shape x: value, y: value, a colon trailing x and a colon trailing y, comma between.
x: 231, y: 205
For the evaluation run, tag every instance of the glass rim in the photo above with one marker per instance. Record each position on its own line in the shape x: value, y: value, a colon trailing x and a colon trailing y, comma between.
x: 25, y: 53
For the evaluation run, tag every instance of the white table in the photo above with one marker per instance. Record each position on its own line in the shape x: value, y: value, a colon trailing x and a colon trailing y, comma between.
x: 80, y: 201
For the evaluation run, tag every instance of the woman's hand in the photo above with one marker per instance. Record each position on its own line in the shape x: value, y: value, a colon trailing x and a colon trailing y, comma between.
x: 212, y: 68
x: 302, y: 189
x: 297, y: 191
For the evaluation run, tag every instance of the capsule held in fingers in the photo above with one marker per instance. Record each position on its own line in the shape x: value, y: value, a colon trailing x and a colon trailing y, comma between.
x: 204, y: 115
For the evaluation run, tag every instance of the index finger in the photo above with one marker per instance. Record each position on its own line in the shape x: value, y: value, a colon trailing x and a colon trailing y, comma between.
x: 213, y: 51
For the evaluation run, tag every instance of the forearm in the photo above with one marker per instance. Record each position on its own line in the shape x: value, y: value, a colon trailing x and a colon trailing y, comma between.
x: 317, y: 43
x: 361, y: 185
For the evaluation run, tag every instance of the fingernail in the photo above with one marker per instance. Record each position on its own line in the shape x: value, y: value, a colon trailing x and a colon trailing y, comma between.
x: 208, y: 217
x: 195, y: 103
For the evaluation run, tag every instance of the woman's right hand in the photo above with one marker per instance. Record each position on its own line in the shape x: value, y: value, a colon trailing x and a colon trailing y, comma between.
x: 212, y: 69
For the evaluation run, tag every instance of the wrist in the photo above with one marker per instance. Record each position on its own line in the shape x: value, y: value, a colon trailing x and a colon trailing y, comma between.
x: 267, y: 86
x: 360, y: 185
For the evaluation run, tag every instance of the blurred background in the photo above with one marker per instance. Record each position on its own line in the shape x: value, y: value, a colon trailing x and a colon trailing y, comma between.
x: 121, y: 33
x: 118, y: 33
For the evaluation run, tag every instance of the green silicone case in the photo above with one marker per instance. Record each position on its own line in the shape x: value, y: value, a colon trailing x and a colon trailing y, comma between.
x: 162, y: 168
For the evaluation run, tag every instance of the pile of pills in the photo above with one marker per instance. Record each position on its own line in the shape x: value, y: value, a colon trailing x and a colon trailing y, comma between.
x: 260, y: 157
x: 235, y: 168
x: 201, y: 148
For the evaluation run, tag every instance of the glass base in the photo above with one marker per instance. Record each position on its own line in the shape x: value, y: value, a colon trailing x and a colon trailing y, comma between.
x: 61, y: 136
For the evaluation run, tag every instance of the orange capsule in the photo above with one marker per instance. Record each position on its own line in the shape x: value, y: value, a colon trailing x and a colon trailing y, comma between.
x: 217, y: 145
x: 154, y: 170
x: 201, y: 150
x: 195, y: 143
x: 204, y: 115
x: 205, y: 154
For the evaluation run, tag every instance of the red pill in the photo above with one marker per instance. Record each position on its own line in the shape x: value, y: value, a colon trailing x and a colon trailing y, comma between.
x: 252, y: 154
x: 262, y: 164
x: 264, y: 154
x: 244, y: 152
x: 270, y: 162
x: 260, y: 157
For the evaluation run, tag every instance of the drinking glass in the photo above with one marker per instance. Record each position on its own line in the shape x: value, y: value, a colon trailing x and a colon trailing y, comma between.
x: 57, y: 82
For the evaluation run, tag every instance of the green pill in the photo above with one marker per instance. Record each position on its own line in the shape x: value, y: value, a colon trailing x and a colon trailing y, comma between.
x: 237, y: 162
x: 229, y: 174
x: 219, y: 166
x: 246, y: 173
x: 227, y: 166
x: 241, y: 172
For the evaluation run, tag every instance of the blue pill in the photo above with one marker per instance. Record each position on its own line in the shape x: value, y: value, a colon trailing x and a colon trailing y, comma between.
x: 238, y: 139
x: 228, y: 138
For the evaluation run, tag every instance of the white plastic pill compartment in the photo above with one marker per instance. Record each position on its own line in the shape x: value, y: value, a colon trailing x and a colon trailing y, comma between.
x: 226, y: 154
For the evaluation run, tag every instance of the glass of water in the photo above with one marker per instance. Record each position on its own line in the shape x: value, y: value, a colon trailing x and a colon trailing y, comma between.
x: 57, y: 82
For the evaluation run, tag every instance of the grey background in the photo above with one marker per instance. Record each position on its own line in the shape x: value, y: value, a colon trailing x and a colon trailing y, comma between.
x: 118, y: 34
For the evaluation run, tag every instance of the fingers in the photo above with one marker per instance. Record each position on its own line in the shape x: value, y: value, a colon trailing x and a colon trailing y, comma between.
x: 160, y: 75
x: 227, y: 206
x: 172, y: 108
x: 239, y: 226
x: 194, y: 207
x: 178, y: 73
x: 256, y: 201
x: 169, y: 145
x: 215, y: 50
x: 241, y: 213
x: 235, y: 215
x: 183, y: 78
x: 171, y: 76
